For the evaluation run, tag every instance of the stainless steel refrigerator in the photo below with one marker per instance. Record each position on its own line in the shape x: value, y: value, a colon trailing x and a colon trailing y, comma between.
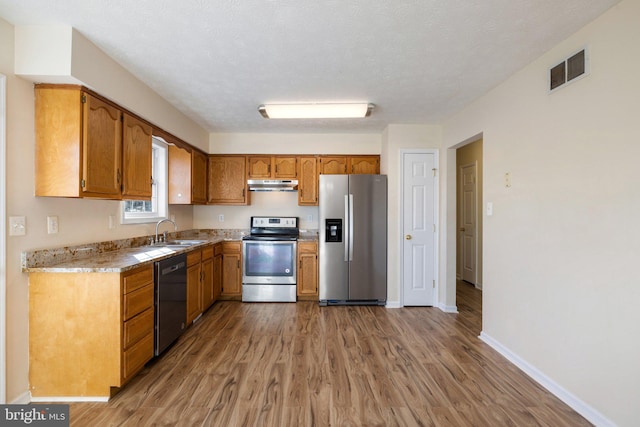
x: 353, y: 239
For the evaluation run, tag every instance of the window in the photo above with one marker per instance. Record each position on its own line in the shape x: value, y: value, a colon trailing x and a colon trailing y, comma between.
x: 142, y: 211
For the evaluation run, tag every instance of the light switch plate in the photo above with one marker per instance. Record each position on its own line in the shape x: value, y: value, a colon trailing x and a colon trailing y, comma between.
x: 17, y: 226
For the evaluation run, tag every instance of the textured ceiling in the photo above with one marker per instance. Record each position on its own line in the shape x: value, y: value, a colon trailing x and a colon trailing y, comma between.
x: 217, y: 60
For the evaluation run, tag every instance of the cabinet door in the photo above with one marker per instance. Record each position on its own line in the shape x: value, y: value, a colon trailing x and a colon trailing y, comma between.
x: 207, y: 283
x: 227, y: 180
x: 364, y: 165
x: 285, y: 167
x: 179, y: 176
x: 136, y: 159
x: 308, y: 182
x: 231, y: 274
x: 101, y: 149
x: 259, y: 167
x: 333, y: 165
x: 194, y: 292
x: 217, y: 275
x: 307, y: 269
x: 198, y: 178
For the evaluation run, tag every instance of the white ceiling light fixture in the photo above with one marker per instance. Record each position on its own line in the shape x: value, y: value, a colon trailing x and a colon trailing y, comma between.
x: 316, y: 111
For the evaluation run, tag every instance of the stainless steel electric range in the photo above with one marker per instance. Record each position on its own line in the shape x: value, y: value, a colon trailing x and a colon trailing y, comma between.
x: 269, y: 260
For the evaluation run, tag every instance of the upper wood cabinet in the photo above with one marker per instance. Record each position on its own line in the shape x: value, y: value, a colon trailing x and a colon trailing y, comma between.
x: 136, y: 150
x: 364, y: 165
x: 308, y: 181
x: 187, y: 177
x: 228, y: 180
x: 78, y: 144
x: 264, y: 167
x: 199, y: 163
x: 331, y: 165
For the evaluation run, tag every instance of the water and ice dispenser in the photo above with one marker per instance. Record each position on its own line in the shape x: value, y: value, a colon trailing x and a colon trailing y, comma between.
x: 333, y: 230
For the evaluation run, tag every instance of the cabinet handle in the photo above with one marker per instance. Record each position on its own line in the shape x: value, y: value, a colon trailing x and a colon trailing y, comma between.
x: 238, y: 263
x: 118, y: 174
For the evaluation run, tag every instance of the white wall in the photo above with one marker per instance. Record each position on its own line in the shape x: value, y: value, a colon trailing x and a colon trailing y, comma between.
x: 560, y: 291
x: 80, y: 221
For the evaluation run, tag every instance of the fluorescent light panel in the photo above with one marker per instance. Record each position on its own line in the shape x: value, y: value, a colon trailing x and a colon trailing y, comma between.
x: 315, y: 111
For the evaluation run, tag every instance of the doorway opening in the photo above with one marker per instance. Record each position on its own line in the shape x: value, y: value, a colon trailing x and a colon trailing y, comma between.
x: 469, y: 213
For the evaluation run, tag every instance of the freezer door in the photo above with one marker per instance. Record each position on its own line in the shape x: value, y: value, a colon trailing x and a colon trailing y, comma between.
x: 334, y: 271
x: 368, y: 266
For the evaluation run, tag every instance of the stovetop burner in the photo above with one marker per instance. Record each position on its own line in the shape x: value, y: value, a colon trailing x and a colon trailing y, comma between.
x: 273, y: 228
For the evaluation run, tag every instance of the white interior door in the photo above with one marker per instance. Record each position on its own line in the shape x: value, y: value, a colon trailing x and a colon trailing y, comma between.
x: 419, y: 228
x: 468, y: 225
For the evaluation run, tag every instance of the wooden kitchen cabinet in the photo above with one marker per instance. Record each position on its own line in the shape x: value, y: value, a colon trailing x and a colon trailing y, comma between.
x: 227, y: 180
x: 231, y: 270
x: 217, y: 271
x: 364, y: 164
x: 78, y: 144
x: 136, y: 150
x: 308, y: 181
x: 208, y: 294
x: 187, y: 176
x: 265, y: 167
x: 89, y: 332
x: 332, y: 165
x: 194, y: 285
x: 307, y: 287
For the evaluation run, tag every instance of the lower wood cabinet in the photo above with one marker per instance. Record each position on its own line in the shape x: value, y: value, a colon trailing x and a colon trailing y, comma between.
x: 88, y: 332
x: 231, y: 270
x: 200, y: 294
x: 307, y: 288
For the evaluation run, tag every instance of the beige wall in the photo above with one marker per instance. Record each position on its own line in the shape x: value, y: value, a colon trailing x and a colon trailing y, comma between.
x: 467, y: 155
x: 559, y: 291
x: 80, y: 221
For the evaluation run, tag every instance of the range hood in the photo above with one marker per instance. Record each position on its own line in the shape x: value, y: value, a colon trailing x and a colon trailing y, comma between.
x: 273, y: 184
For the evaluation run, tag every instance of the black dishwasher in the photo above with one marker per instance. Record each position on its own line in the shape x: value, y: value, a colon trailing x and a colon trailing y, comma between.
x: 170, y: 300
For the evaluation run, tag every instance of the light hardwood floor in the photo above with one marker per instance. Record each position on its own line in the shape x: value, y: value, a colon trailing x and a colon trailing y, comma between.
x: 302, y: 365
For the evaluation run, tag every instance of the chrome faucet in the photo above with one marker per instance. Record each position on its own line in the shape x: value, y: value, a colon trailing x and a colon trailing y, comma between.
x: 175, y: 227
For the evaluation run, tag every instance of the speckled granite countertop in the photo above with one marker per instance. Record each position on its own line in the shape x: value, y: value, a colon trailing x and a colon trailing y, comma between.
x: 117, y: 256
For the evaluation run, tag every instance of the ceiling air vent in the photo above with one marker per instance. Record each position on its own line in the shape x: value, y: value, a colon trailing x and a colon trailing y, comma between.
x: 570, y: 69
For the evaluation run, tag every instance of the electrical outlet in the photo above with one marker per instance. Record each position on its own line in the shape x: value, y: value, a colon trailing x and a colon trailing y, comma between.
x: 221, y: 218
x: 112, y: 222
x: 309, y: 218
x: 52, y: 224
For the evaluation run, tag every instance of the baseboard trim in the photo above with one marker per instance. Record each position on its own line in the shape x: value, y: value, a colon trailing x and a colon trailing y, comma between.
x: 448, y: 308
x: 592, y: 415
x: 393, y: 304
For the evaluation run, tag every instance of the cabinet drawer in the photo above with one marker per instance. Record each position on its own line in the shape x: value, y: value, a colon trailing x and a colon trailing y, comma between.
x: 135, y: 357
x: 194, y: 257
x: 232, y: 247
x: 137, y: 327
x: 138, y: 279
x: 217, y: 249
x: 207, y: 252
x: 307, y: 247
x: 138, y: 301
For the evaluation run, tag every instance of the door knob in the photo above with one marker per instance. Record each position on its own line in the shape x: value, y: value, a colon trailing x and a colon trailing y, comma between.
x: 461, y: 228
x: 408, y: 237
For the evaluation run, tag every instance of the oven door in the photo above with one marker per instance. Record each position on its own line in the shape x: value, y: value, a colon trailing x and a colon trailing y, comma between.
x: 269, y: 262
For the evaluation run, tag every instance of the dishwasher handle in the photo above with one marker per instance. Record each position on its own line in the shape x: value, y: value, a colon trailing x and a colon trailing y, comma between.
x: 172, y: 268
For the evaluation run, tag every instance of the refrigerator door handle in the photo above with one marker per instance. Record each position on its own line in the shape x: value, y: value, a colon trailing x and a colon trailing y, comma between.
x: 350, y: 227
x: 346, y: 228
